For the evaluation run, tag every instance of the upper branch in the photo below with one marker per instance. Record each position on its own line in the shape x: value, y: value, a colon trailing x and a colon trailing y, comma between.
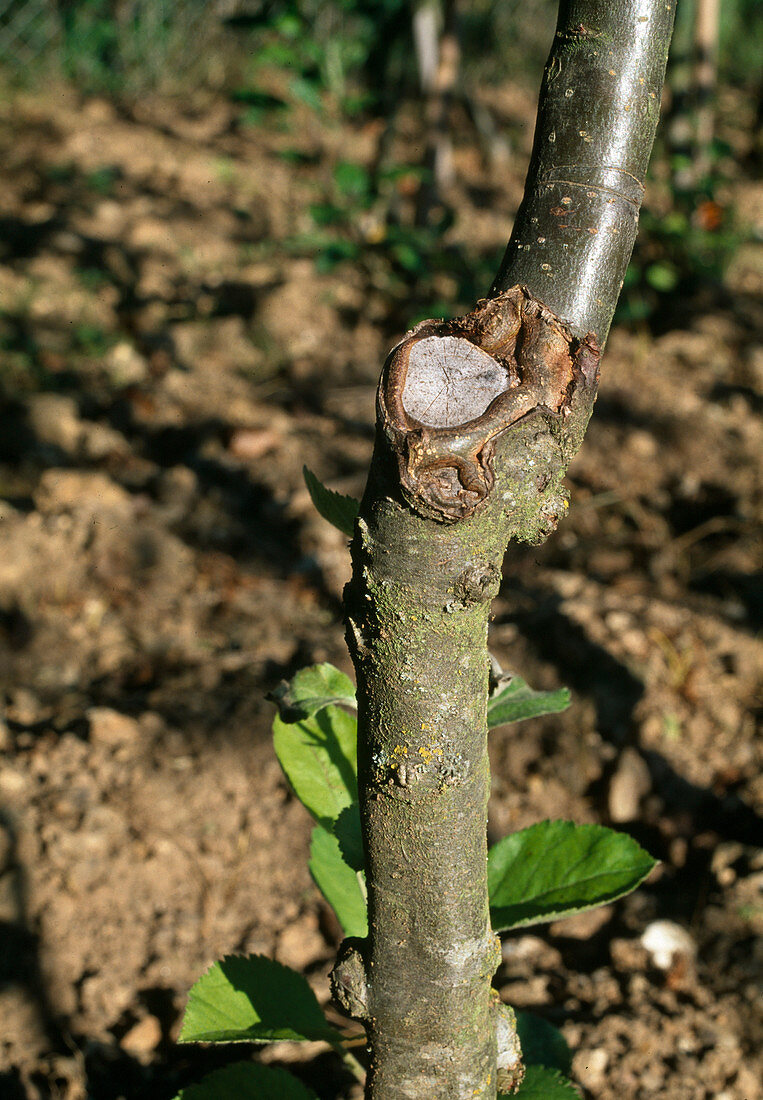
x: 599, y: 107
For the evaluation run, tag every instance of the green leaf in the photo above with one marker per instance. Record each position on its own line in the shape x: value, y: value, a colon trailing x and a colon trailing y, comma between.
x: 352, y: 180
x: 338, y: 883
x: 408, y: 257
x: 347, y: 830
x: 516, y: 701
x: 556, y: 868
x: 254, y: 1000
x: 330, y: 254
x: 326, y: 213
x: 541, y: 1083
x: 310, y: 690
x: 542, y: 1043
x: 319, y: 758
x: 307, y: 92
x: 339, y: 510
x: 248, y: 1081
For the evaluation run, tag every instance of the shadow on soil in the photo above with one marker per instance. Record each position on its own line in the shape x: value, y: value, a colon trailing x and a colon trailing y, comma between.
x: 588, y: 669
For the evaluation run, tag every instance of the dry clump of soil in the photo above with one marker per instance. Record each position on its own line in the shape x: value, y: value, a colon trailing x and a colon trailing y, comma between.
x: 169, y: 369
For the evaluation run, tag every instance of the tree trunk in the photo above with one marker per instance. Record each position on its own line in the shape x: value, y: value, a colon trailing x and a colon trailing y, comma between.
x: 477, y: 422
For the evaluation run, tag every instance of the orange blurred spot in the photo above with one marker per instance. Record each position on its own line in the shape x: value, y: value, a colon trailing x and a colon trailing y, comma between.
x: 709, y: 215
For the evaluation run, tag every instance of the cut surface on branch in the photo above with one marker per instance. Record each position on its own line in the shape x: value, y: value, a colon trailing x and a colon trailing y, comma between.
x: 450, y: 381
x: 451, y: 388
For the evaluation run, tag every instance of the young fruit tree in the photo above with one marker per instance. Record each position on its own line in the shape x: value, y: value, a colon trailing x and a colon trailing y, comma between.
x: 478, y: 419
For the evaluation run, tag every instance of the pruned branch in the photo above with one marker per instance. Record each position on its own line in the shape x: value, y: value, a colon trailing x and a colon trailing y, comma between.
x: 451, y: 389
x: 477, y: 422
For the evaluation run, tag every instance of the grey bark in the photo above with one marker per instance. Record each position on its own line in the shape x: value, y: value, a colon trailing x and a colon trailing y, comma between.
x: 444, y: 498
x: 599, y: 106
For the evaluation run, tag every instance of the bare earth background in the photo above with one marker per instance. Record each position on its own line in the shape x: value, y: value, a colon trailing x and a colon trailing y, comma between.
x: 169, y: 366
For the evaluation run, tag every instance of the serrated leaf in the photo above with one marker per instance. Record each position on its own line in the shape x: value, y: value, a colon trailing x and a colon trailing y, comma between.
x: 542, y: 1043
x: 310, y: 690
x: 248, y: 1081
x: 541, y: 1083
x: 338, y: 509
x: 252, y: 999
x: 338, y: 882
x: 556, y: 869
x: 319, y: 757
x: 515, y: 701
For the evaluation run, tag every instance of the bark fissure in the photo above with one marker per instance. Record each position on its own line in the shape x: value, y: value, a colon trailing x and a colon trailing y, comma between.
x: 453, y: 479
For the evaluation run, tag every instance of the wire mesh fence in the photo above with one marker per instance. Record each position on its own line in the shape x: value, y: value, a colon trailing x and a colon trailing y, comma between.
x: 27, y: 29
x: 127, y: 44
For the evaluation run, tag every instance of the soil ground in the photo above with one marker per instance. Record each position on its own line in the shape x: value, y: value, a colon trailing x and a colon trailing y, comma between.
x: 169, y: 365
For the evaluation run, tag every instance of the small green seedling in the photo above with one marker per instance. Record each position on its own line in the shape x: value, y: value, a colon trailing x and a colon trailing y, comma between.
x: 551, y: 870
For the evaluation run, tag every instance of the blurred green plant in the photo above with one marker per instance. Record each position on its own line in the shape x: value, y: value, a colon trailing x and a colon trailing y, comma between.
x: 688, y: 230
x: 93, y: 279
x: 351, y: 49
x: 367, y: 219
x: 684, y: 245
x: 102, y: 180
x: 92, y: 340
x: 741, y: 38
x: 135, y: 45
x: 90, y: 44
x: 358, y: 51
